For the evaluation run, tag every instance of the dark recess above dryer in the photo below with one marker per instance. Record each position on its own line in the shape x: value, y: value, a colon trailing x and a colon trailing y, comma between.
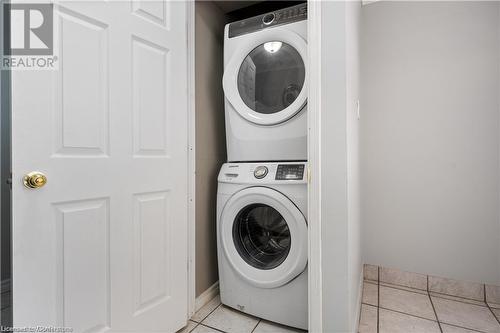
x: 239, y: 10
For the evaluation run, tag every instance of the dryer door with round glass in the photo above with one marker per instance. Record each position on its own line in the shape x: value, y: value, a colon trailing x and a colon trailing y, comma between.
x: 265, y: 81
x: 264, y: 236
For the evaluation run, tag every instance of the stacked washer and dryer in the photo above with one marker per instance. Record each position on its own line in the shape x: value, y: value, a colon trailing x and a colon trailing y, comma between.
x: 262, y: 190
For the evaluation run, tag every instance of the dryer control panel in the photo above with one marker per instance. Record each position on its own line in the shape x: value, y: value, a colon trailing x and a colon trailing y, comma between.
x: 278, y: 17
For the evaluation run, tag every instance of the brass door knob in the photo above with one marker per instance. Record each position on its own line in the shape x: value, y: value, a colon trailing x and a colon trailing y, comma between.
x: 34, y: 179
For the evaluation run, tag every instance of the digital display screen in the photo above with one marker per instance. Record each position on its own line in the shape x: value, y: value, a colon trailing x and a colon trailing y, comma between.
x: 290, y: 172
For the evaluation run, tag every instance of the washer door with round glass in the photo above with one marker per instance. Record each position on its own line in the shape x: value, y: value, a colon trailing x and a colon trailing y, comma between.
x: 265, y: 80
x: 264, y: 237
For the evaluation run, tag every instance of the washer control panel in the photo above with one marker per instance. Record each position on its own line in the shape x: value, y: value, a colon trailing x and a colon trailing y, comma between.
x: 290, y: 172
x: 260, y: 171
x: 263, y: 173
x: 278, y: 17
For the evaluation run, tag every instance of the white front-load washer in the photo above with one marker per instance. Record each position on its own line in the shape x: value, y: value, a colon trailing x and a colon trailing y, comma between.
x: 262, y: 240
x: 265, y: 79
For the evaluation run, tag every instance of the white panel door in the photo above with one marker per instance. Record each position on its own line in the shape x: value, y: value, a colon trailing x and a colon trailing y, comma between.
x: 103, y: 245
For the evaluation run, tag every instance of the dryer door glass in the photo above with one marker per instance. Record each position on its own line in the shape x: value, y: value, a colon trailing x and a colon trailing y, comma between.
x: 271, y: 77
x: 261, y: 236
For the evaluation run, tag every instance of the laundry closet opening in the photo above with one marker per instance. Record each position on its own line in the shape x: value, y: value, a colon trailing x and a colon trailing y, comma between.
x: 281, y: 98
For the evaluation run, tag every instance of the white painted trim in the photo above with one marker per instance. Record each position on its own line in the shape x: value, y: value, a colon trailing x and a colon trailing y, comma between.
x: 191, y: 241
x: 314, y: 158
x: 206, y: 296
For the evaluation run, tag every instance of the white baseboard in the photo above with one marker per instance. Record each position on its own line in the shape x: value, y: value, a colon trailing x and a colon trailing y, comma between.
x: 206, y: 296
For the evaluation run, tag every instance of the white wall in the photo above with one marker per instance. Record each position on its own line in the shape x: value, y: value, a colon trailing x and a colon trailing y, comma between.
x: 340, y: 218
x: 430, y: 138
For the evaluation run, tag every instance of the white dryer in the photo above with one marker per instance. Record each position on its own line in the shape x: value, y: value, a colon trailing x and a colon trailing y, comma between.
x: 262, y: 240
x: 265, y: 86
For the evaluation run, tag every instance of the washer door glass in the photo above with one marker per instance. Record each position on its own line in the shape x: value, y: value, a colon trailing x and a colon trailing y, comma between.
x: 261, y: 236
x: 271, y: 77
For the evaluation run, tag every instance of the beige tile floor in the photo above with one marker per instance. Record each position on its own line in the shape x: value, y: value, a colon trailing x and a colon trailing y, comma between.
x: 386, y: 308
x: 215, y: 317
x: 392, y: 308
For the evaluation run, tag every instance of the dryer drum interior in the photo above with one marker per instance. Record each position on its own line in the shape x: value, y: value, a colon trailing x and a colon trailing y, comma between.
x: 271, y: 77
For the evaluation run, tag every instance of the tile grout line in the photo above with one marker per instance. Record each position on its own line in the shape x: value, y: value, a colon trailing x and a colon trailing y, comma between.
x: 199, y: 322
x: 432, y: 304
x: 258, y: 322
x: 360, y: 312
x: 460, y: 299
x: 407, y: 314
x: 372, y: 305
x: 494, y: 315
x: 465, y: 328
x: 439, y: 295
x: 378, y: 299
x: 368, y: 304
x: 218, y: 330
x: 401, y: 312
x: 435, y: 321
x: 492, y: 312
x: 362, y: 296
x: 394, y: 286
x: 411, y: 315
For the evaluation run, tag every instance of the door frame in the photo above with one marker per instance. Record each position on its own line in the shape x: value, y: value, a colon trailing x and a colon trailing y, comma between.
x: 191, y: 237
x: 5, y: 171
x: 315, y: 299
x: 314, y: 158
